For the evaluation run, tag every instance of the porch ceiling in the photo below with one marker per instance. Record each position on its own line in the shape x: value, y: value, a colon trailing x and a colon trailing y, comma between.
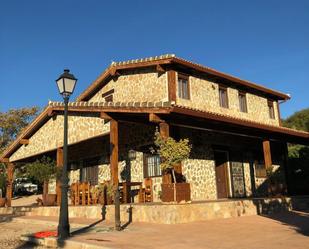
x: 139, y: 112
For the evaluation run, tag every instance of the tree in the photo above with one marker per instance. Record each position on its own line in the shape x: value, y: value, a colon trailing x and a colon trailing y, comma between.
x: 299, y: 120
x: 171, y: 152
x: 43, y: 170
x: 298, y: 171
x: 12, y: 122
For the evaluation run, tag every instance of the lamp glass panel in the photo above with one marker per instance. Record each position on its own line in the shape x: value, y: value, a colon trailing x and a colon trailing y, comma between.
x: 60, y: 85
x: 69, y: 85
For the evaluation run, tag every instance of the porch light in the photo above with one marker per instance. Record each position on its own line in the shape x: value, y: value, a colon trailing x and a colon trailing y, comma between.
x: 66, y: 83
x: 132, y: 155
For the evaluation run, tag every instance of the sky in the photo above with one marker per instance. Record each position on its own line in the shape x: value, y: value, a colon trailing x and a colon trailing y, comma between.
x: 266, y: 42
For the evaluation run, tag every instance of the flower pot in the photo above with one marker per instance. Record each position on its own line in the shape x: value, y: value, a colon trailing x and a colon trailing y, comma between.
x: 2, y: 202
x: 49, y: 199
x: 182, y: 192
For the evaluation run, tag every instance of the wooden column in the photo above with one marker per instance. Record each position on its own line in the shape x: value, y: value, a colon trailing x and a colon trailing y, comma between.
x: 114, y: 151
x: 171, y: 78
x: 59, y: 161
x: 164, y: 130
x: 267, y: 154
x: 9, y: 183
x: 114, y: 169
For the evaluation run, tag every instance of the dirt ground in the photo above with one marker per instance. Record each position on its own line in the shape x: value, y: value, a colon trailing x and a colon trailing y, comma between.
x: 25, y: 200
x: 10, y: 232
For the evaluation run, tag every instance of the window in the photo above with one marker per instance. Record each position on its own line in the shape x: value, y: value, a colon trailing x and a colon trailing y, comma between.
x: 242, y: 102
x: 260, y: 170
x: 183, y: 87
x: 108, y: 96
x: 90, y: 170
x: 223, y: 97
x: 90, y: 174
x: 271, y: 109
x: 152, y: 165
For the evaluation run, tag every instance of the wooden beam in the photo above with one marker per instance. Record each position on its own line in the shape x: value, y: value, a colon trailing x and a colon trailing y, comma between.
x: 114, y: 72
x: 5, y: 160
x: 164, y: 130
x: 59, y: 161
x: 24, y: 141
x: 105, y: 116
x: 50, y: 112
x: 9, y: 184
x: 114, y: 151
x: 267, y: 154
x: 160, y: 69
x: 171, y: 78
x: 153, y: 117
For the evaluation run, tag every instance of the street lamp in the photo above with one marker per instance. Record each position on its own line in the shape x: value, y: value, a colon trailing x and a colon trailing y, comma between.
x: 66, y: 84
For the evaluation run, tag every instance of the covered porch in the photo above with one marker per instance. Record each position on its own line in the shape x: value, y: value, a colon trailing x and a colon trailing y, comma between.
x: 228, y: 160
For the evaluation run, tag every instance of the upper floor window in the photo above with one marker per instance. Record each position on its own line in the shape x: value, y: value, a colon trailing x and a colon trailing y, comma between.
x: 152, y: 165
x: 271, y: 109
x: 108, y: 96
x: 183, y: 87
x: 242, y: 102
x: 223, y: 98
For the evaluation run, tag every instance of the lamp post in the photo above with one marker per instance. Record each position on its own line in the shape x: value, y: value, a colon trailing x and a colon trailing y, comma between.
x: 66, y: 84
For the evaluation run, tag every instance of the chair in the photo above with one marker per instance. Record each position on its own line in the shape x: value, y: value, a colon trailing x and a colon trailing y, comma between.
x: 145, y: 194
x: 75, y: 193
x: 148, y: 190
x: 84, y: 193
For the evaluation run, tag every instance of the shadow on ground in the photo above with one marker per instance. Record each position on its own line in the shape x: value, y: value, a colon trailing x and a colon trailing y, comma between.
x: 299, y: 221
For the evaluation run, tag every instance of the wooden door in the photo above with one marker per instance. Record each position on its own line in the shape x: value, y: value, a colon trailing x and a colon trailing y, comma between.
x: 221, y: 160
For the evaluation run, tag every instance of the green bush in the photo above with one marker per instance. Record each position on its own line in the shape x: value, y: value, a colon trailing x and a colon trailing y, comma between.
x: 42, y: 170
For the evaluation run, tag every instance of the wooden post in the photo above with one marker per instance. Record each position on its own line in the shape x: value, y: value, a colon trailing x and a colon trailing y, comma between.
x: 9, y: 184
x: 164, y: 130
x: 267, y: 154
x: 114, y: 169
x: 171, y: 78
x: 114, y: 151
x: 59, y: 161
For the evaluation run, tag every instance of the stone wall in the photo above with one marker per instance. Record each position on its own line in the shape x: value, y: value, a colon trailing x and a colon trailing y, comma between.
x: 136, y: 85
x: 200, y: 173
x: 204, y: 95
x: 50, y: 136
x: 174, y: 213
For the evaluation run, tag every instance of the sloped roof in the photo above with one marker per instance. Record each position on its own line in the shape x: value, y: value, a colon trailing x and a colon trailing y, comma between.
x: 146, y: 107
x: 172, y: 59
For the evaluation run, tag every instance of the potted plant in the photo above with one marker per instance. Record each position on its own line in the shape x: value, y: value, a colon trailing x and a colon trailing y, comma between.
x: 172, y: 153
x: 2, y: 185
x: 43, y: 170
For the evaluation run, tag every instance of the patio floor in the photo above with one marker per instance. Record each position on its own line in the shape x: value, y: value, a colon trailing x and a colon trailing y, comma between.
x: 285, y: 230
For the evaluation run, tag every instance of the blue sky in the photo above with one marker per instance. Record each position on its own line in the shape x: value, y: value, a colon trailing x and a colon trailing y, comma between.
x: 266, y: 42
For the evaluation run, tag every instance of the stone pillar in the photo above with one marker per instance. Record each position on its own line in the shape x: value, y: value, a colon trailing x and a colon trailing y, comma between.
x: 59, y: 165
x: 9, y: 184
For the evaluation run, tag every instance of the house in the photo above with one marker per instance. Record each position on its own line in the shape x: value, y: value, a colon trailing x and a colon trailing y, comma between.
x: 234, y: 127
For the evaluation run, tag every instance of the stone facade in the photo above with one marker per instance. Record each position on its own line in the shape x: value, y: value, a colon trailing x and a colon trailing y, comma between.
x: 50, y: 136
x: 204, y: 95
x: 201, y: 174
x: 136, y: 85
